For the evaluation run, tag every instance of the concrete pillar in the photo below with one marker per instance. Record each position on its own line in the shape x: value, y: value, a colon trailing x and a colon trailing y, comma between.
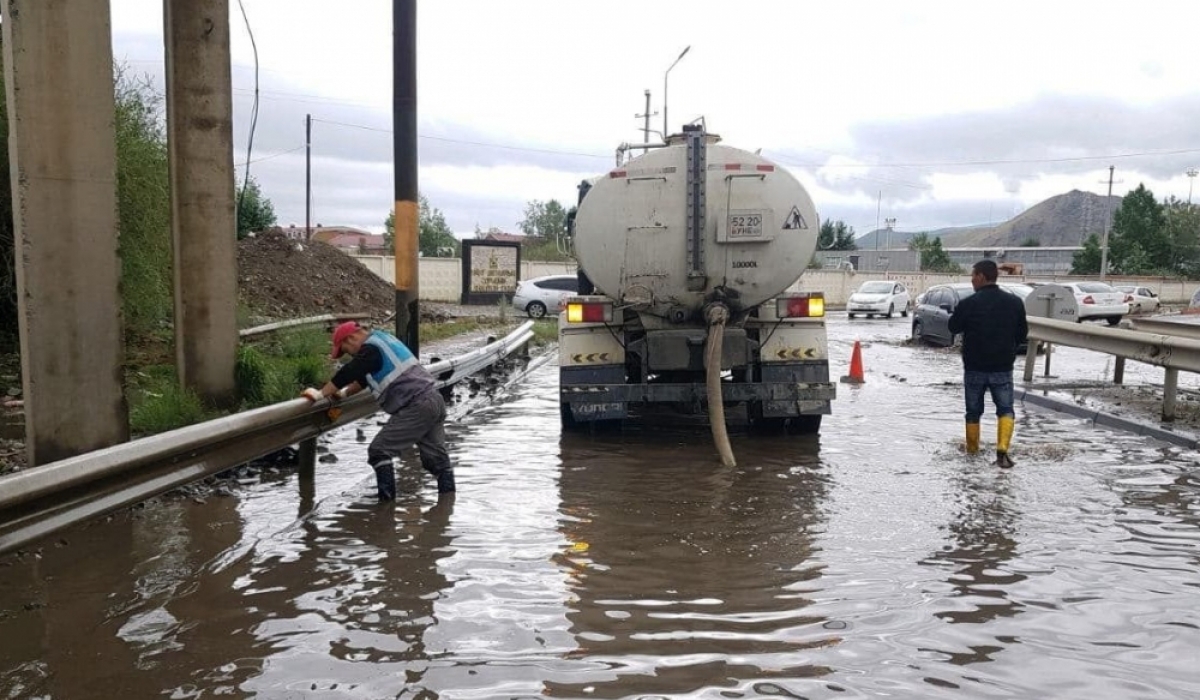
x: 203, y: 220
x: 62, y: 152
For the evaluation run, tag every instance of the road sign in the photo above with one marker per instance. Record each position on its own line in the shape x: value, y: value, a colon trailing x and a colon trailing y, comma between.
x: 1052, y: 301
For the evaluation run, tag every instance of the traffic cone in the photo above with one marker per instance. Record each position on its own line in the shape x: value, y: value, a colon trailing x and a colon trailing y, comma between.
x: 856, y: 366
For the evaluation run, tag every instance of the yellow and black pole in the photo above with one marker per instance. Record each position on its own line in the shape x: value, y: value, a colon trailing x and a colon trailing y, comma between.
x: 404, y: 122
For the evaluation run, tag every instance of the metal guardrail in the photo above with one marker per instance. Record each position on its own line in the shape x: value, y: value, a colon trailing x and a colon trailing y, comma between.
x: 292, y: 323
x: 40, y: 501
x: 1166, y: 327
x: 1172, y: 352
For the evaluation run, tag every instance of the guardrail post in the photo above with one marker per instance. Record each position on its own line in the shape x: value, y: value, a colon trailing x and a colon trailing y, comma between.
x: 1031, y: 359
x: 307, y: 467
x: 1170, y: 384
x: 1119, y: 371
x: 1049, y: 352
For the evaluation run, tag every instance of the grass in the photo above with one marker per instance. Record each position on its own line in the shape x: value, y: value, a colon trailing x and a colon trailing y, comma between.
x: 269, y: 369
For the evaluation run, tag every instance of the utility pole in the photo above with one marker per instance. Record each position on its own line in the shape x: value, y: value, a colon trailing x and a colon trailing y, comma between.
x: 1107, y: 225
x: 645, y: 116
x: 878, y: 209
x: 404, y: 150
x: 890, y: 223
x: 308, y: 178
x: 1191, y: 173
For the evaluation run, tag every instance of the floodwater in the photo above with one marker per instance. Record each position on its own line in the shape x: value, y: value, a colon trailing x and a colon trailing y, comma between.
x: 874, y: 561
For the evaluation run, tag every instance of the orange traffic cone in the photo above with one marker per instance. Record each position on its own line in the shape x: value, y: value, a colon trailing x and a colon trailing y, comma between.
x: 856, y: 366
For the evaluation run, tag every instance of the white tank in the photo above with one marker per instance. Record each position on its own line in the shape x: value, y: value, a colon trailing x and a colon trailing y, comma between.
x: 632, y: 231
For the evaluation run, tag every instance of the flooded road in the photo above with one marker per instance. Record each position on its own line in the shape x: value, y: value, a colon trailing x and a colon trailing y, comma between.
x: 874, y: 561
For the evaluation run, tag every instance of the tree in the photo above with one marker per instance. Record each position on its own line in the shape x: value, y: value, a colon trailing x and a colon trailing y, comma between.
x: 545, y: 220
x: 934, y: 257
x: 1183, y: 230
x: 254, y: 211
x: 434, y: 238
x: 836, y: 235
x: 1087, y: 261
x: 1139, y: 243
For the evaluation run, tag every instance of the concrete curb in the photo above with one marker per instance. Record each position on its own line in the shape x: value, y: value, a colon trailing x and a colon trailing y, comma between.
x: 1106, y: 419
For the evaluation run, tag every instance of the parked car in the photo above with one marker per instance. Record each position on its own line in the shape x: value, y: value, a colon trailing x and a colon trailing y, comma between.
x: 931, y: 315
x: 539, y: 295
x: 1099, y: 300
x: 882, y: 297
x: 1140, y: 299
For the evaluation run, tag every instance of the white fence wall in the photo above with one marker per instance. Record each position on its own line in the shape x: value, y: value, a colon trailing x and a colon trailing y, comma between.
x: 441, y: 279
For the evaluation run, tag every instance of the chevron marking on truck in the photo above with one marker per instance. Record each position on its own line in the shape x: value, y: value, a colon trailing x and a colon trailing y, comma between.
x: 797, y: 354
x: 589, y: 357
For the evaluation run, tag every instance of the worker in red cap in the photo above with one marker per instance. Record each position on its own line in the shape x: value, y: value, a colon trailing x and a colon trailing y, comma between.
x: 404, y: 389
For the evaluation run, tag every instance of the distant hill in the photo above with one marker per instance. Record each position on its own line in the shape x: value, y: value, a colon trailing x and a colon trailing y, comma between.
x: 1063, y: 220
x: 900, y: 239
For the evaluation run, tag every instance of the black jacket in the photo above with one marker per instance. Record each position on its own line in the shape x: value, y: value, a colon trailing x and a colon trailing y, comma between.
x: 992, y: 323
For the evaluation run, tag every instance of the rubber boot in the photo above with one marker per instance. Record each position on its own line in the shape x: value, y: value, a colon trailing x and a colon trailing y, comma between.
x: 385, y: 481
x: 972, y: 438
x: 445, y: 480
x: 1004, y: 433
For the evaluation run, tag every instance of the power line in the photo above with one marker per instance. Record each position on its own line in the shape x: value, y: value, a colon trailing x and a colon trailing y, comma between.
x: 268, y: 157
x: 465, y: 142
x: 1015, y: 161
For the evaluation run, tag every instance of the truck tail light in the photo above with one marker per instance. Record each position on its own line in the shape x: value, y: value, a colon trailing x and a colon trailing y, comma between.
x: 1128, y: 298
x: 1089, y: 300
x: 589, y: 312
x: 808, y: 305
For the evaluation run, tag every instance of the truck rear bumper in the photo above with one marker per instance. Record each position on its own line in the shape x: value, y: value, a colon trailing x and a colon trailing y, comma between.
x: 664, y: 393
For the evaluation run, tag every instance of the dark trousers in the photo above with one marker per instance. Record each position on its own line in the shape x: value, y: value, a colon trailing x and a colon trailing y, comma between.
x: 976, y: 384
x: 421, y: 422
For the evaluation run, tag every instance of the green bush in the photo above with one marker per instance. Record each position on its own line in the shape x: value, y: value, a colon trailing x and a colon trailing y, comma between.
x: 167, y: 409
x: 251, y: 373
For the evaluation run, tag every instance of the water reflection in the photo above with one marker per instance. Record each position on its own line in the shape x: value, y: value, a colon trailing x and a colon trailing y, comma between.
x: 687, y: 575
x: 982, y: 543
x: 346, y: 601
x: 125, y: 611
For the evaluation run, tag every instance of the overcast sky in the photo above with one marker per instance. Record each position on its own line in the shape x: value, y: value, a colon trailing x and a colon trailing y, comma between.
x: 932, y: 113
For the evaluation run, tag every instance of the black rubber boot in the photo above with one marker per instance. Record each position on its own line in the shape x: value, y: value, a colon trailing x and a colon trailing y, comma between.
x: 385, y: 481
x: 445, y: 480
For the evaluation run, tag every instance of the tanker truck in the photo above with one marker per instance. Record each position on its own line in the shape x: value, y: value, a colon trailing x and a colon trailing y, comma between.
x: 685, y: 254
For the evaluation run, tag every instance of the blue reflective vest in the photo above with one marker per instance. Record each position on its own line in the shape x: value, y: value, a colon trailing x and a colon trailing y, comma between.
x: 397, y: 359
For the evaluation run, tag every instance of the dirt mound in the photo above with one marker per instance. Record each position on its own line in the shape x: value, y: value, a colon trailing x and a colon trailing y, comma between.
x: 282, y: 278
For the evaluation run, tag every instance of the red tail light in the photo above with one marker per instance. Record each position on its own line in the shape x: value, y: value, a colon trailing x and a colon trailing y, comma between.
x: 1128, y: 298
x: 808, y: 305
x: 589, y: 312
x: 1089, y: 300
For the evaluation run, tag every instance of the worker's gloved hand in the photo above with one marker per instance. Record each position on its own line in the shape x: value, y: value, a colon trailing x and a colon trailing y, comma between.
x: 311, y: 394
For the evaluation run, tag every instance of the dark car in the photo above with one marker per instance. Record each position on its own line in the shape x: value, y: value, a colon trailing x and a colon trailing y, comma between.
x: 931, y: 317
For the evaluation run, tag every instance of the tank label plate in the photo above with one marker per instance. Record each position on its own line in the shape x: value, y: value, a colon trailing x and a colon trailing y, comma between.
x: 745, y: 224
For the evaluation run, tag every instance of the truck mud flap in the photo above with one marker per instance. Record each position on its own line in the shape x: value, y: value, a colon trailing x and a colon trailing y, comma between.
x: 587, y: 406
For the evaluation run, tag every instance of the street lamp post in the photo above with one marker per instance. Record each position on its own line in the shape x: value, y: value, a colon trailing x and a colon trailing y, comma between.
x: 665, y: 76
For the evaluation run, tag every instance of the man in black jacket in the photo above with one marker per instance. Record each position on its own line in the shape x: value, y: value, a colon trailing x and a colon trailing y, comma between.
x: 992, y: 323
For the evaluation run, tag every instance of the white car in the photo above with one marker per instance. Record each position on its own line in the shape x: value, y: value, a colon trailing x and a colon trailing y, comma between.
x: 1140, y: 299
x: 880, y: 297
x: 541, y: 295
x: 1099, y: 300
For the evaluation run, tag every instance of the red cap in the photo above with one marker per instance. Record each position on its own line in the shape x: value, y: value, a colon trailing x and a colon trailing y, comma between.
x: 343, y: 331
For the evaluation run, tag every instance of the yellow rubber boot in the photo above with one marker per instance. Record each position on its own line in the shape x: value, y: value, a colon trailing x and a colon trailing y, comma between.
x: 972, y: 438
x: 1004, y: 432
